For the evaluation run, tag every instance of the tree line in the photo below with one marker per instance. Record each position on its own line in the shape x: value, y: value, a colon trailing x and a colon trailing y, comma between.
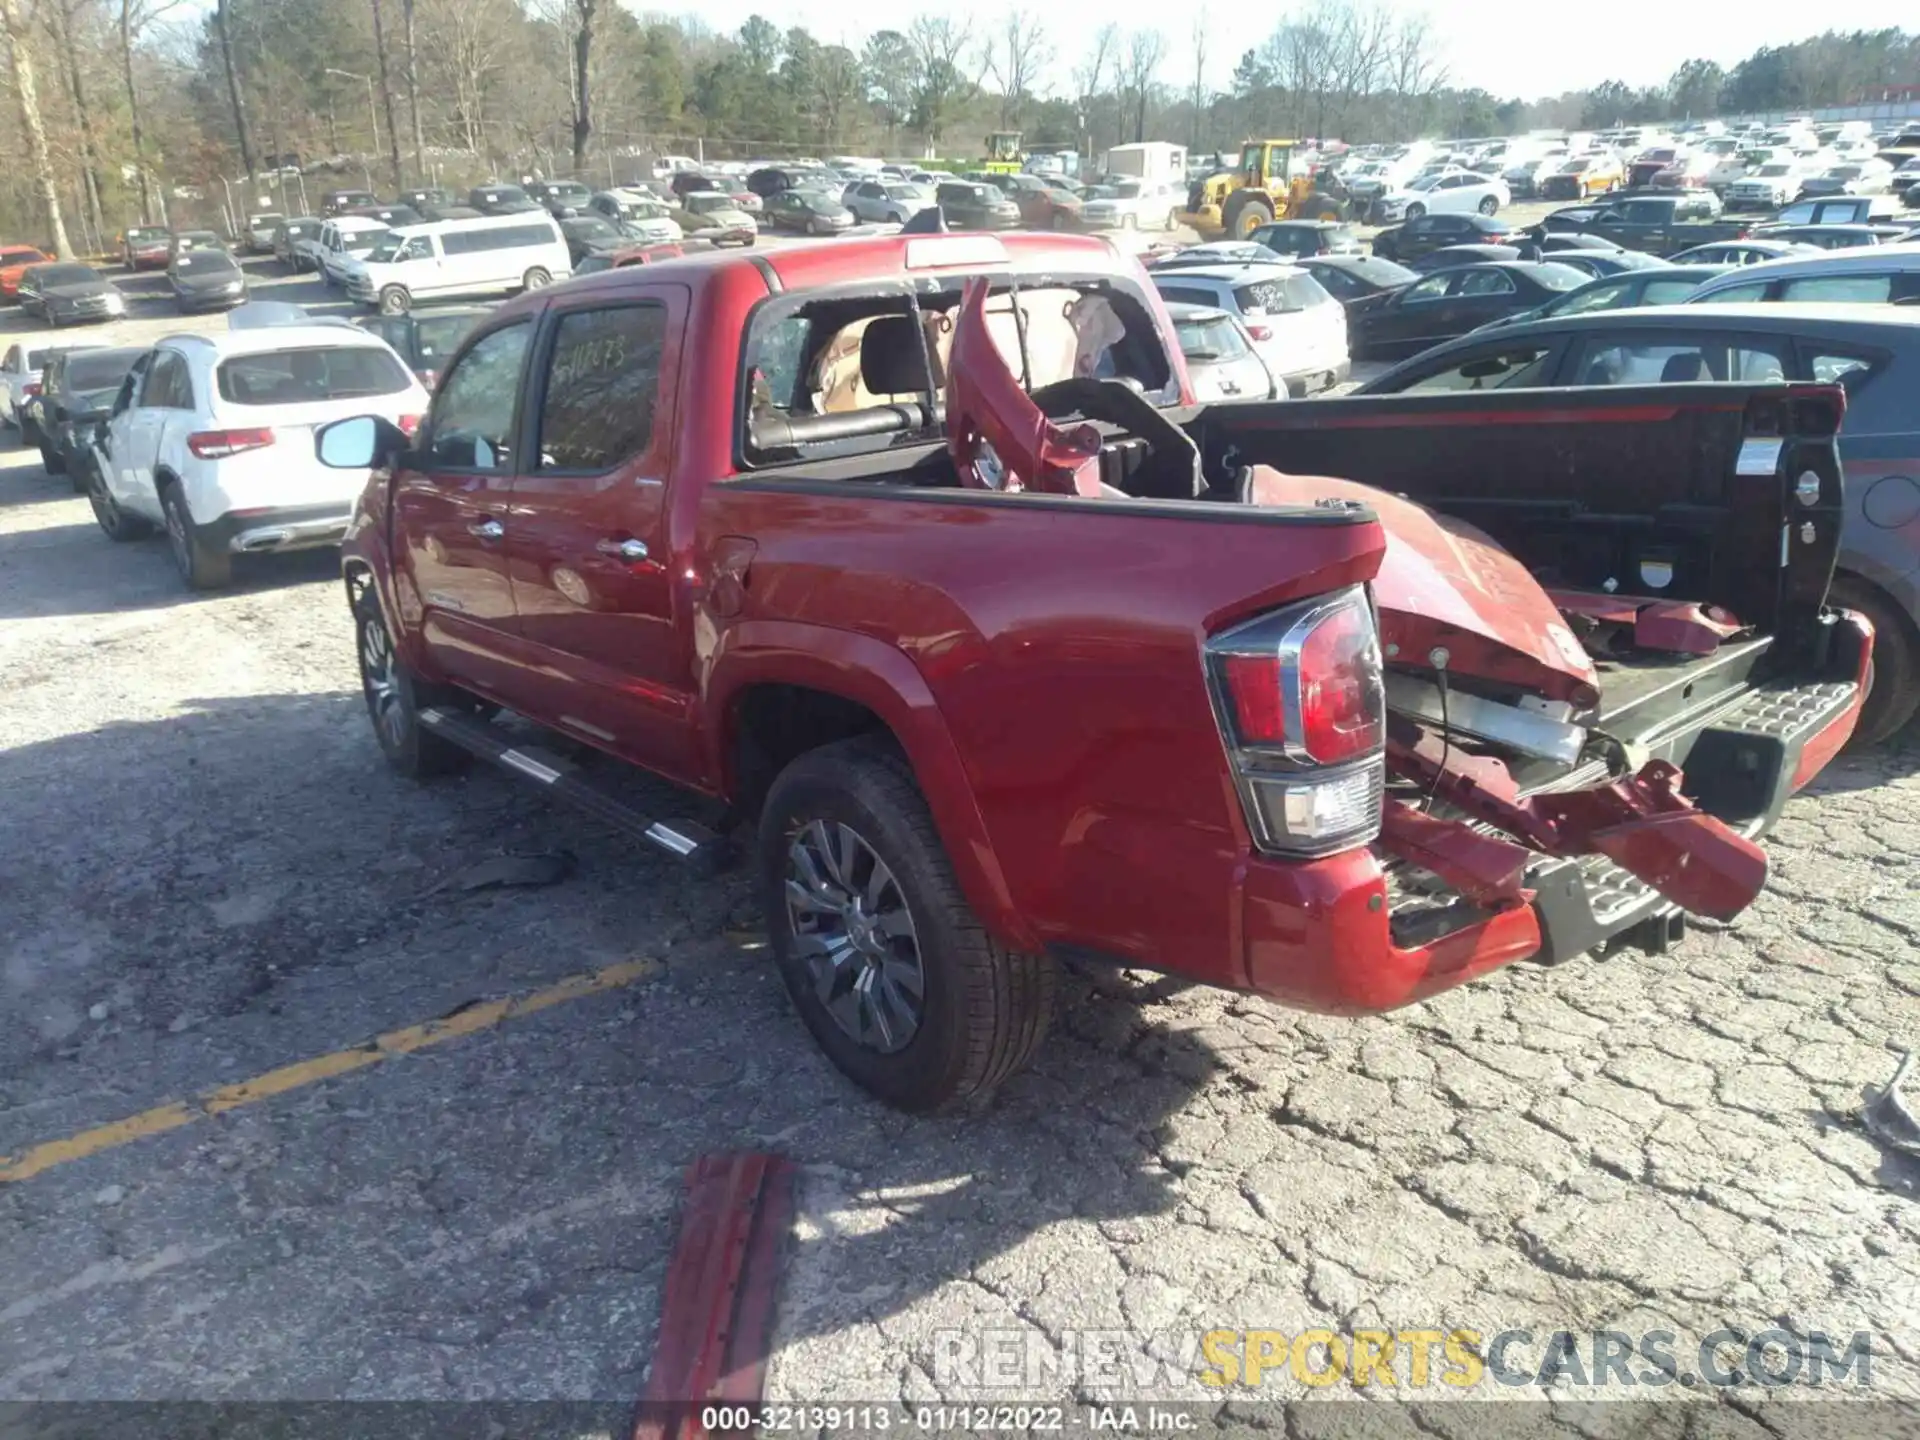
x: 154, y: 110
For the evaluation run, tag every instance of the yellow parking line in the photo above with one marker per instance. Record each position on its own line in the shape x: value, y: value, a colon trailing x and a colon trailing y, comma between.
x: 176, y: 1113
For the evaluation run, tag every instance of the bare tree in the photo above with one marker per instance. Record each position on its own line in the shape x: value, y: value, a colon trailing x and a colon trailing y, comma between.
x: 223, y: 24
x: 20, y: 61
x: 1138, y: 69
x: 60, y: 23
x: 940, y: 84
x: 1016, y: 54
x: 136, y: 15
x: 1202, y: 90
x: 413, y: 90
x: 386, y: 94
x: 584, y: 12
x: 1091, y: 73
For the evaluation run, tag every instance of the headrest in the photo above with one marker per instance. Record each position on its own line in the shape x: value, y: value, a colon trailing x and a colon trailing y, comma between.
x: 1681, y: 368
x: 892, y: 359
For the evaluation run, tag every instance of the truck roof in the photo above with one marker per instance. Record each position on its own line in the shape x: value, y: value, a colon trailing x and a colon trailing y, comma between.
x: 875, y: 258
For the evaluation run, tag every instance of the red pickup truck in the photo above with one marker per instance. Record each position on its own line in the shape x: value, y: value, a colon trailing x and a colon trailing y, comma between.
x: 915, y: 553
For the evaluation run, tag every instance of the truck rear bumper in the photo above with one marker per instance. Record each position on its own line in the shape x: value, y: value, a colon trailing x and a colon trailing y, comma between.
x: 1336, y: 936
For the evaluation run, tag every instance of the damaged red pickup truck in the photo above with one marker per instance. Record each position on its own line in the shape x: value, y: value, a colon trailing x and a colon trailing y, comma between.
x: 915, y: 552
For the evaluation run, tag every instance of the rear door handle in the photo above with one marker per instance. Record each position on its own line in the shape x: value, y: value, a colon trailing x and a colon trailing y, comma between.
x: 631, y: 551
x: 487, y: 530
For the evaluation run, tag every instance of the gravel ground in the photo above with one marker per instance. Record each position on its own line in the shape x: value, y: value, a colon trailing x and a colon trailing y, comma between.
x: 206, y: 873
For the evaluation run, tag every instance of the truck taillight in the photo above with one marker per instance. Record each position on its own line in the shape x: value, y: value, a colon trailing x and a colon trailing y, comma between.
x: 219, y: 444
x: 30, y: 389
x: 1301, y: 702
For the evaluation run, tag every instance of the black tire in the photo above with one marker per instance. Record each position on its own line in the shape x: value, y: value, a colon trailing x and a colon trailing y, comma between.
x: 394, y: 300
x: 29, y: 434
x: 537, y: 278
x: 202, y: 565
x: 118, y: 526
x: 984, y: 1008
x: 1244, y: 214
x: 394, y: 697
x: 50, y: 460
x: 1414, y: 211
x: 1489, y: 205
x: 1893, y: 693
x: 1323, y: 207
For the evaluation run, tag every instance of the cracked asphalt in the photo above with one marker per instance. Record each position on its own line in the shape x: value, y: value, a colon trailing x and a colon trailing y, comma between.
x: 206, y: 873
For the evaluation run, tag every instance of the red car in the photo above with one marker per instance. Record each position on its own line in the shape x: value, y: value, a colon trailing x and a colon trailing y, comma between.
x: 1002, y: 653
x: 147, y: 247
x: 14, y: 260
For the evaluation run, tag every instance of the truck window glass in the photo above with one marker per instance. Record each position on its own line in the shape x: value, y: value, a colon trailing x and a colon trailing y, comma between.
x: 473, y: 410
x: 603, y: 378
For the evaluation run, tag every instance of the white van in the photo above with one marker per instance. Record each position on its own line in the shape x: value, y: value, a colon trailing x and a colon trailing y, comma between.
x: 487, y: 255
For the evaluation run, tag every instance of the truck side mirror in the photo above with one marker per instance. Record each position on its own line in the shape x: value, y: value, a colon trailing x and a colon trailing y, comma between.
x: 361, y: 443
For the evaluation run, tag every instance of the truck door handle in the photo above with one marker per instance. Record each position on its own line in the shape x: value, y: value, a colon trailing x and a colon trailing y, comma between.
x: 631, y: 551
x: 487, y: 530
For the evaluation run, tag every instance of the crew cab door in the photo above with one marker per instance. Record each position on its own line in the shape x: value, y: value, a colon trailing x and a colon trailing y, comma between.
x: 450, y: 499
x: 588, y: 544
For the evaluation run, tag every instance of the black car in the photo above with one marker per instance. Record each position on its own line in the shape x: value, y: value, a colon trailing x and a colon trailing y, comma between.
x: 449, y: 212
x: 1832, y: 237
x: 426, y: 339
x: 185, y: 240
x: 1409, y: 241
x: 970, y: 205
x: 590, y: 235
x: 77, y: 390
x: 562, y: 198
x: 1553, y: 243
x: 501, y: 200
x: 1295, y: 238
x: 427, y: 197
x: 1597, y: 263
x: 68, y: 294
x: 1448, y: 256
x: 1658, y: 284
x: 1873, y: 352
x: 1359, y: 282
x: 391, y: 216
x: 1449, y: 303
x: 206, y: 280
x: 338, y: 202
x: 810, y: 212
x: 770, y: 180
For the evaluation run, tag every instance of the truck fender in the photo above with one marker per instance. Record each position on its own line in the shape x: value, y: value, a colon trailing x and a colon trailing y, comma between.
x: 882, y: 678
x: 365, y: 550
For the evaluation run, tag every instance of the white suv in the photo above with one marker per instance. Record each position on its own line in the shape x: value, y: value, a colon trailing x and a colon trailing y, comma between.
x: 1297, y: 328
x: 211, y: 439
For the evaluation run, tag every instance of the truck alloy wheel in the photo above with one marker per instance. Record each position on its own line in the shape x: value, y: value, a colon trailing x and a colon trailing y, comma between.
x: 851, y: 928
x: 894, y: 975
x: 392, y: 694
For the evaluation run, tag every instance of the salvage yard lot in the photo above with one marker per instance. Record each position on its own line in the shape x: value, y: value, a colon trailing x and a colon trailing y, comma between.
x: 209, y: 875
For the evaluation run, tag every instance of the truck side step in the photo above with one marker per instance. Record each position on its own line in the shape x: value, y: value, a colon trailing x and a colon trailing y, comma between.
x: 686, y: 840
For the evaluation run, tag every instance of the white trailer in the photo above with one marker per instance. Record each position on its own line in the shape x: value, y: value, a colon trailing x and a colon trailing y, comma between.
x: 1155, y: 161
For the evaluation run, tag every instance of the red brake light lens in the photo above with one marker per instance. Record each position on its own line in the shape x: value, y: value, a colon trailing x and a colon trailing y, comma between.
x: 1253, y: 685
x: 32, y: 387
x: 219, y: 444
x: 1340, y: 688
x: 410, y: 425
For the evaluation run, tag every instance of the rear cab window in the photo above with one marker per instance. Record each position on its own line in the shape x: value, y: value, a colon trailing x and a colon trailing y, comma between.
x: 857, y: 374
x: 309, y: 374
